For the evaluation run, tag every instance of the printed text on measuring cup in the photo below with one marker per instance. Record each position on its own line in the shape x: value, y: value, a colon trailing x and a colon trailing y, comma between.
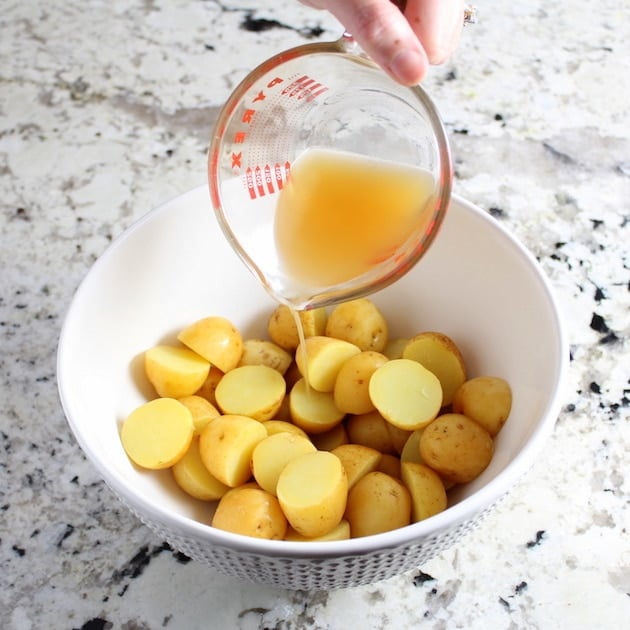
x: 266, y: 179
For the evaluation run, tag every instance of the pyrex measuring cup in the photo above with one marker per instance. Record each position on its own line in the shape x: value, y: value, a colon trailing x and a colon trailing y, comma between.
x: 327, y: 96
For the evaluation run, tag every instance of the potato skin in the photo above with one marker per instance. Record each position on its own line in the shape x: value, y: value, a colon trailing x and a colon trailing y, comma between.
x: 361, y: 323
x: 352, y: 394
x: 456, y: 447
x: 250, y: 511
x: 377, y: 503
x: 485, y: 399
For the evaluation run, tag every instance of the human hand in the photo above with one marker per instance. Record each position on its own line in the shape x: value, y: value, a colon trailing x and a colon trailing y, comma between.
x: 403, y: 44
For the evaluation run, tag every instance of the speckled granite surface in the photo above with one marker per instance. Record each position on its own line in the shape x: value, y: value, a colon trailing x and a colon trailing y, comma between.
x: 105, y: 112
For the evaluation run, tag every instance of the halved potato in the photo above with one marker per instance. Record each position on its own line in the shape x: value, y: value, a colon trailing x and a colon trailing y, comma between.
x: 201, y: 409
x: 226, y: 446
x: 251, y: 390
x: 312, y: 491
x: 313, y: 411
x: 440, y: 355
x: 175, y: 371
x: 352, y: 394
x: 283, y: 329
x: 319, y: 360
x: 357, y: 460
x: 216, y: 339
x: 428, y: 496
x: 485, y: 399
x: 263, y: 352
x: 406, y: 393
x: 158, y: 433
x: 359, y: 322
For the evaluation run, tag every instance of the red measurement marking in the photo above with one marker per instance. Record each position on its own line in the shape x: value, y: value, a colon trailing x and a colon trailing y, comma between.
x: 249, y: 181
x: 236, y: 159
x: 259, y: 181
x: 268, y: 179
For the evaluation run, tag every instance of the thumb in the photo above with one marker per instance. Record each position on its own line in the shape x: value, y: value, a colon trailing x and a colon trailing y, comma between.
x: 386, y: 36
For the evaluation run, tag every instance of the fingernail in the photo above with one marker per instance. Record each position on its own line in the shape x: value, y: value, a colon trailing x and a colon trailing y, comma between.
x: 408, y: 66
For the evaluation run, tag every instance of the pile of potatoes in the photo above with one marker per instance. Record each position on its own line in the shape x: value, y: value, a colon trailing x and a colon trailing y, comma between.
x: 327, y: 430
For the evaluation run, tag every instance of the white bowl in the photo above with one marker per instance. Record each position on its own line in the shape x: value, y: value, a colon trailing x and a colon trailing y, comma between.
x: 476, y: 284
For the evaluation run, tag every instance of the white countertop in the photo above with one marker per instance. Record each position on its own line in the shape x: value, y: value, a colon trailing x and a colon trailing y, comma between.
x: 105, y: 112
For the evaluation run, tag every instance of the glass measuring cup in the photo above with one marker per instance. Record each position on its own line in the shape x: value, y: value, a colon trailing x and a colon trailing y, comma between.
x: 330, y: 97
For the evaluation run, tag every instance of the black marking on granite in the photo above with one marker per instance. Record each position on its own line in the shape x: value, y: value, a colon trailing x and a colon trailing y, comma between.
x: 540, y: 535
x: 138, y: 563
x: 497, y: 213
x: 565, y: 158
x: 421, y: 578
x: 257, y: 25
x: 96, y: 623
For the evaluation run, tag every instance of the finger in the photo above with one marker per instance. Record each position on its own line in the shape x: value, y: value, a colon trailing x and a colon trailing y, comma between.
x: 438, y: 24
x: 386, y: 36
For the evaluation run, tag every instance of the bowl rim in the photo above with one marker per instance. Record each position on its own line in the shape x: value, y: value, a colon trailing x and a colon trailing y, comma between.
x: 465, y: 509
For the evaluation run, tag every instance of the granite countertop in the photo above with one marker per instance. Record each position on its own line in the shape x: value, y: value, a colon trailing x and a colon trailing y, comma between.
x: 105, y: 112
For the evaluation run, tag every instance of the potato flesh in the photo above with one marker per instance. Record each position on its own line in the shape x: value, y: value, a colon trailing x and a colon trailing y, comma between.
x: 357, y: 460
x: 428, y: 495
x: 406, y: 394
x: 193, y: 477
x: 395, y: 449
x: 314, y: 412
x: 312, y: 491
x: 226, y: 446
x: 319, y: 360
x: 251, y: 390
x: 439, y: 354
x: 175, y: 371
x: 202, y: 411
x: 351, y: 391
x: 273, y: 453
x: 157, y: 434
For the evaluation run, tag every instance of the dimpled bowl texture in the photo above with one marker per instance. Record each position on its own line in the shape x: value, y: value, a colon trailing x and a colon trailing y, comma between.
x: 477, y: 284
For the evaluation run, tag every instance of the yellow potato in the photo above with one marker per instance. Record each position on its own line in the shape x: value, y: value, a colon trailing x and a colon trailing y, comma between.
x: 357, y: 460
x: 456, y: 447
x: 283, y: 426
x: 319, y: 360
x: 398, y: 437
x: 292, y: 375
x: 359, y: 322
x: 390, y: 465
x: 370, y: 429
x: 411, y: 450
x: 251, y: 390
x: 202, y: 411
x: 485, y: 399
x: 428, y: 496
x: 351, y: 390
x: 313, y: 411
x: 312, y: 490
x: 394, y: 348
x: 273, y: 453
x: 226, y: 446
x: 215, y: 339
x: 193, y: 477
x: 209, y: 386
x: 250, y: 512
x: 439, y: 354
x: 158, y: 433
x: 330, y: 439
x: 406, y: 393
x: 175, y: 371
x: 263, y: 352
x: 341, y: 532
x: 377, y: 503
x: 282, y: 327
